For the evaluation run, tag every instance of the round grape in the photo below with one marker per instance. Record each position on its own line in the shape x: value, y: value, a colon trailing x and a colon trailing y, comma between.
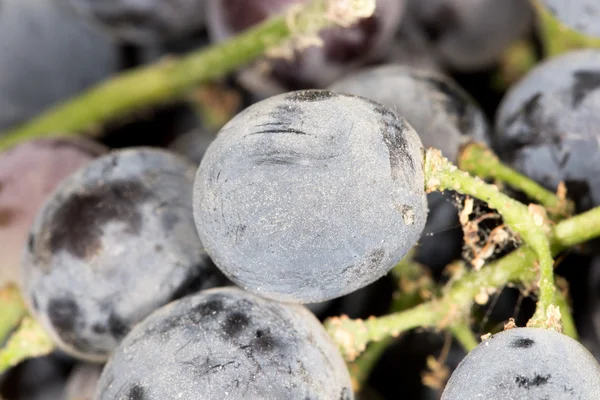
x: 310, y: 195
x: 226, y: 344
x: 548, y: 125
x: 526, y: 363
x: 115, y: 241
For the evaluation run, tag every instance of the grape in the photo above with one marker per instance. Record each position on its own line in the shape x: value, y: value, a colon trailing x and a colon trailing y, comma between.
x: 28, y: 174
x: 526, y: 363
x: 581, y: 15
x: 48, y: 54
x: 226, y: 344
x: 115, y: 241
x: 547, y: 125
x: 314, y: 67
x: 441, y: 112
x: 471, y: 35
x: 310, y: 195
x: 145, y: 21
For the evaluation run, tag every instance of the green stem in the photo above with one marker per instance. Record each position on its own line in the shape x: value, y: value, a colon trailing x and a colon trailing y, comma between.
x: 440, y: 174
x: 464, y: 335
x: 13, y: 310
x: 30, y: 340
x: 171, y: 78
x: 576, y: 230
x: 479, y: 160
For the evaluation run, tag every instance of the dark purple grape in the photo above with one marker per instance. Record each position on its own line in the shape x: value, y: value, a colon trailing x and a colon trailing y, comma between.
x: 145, y: 21
x: 115, y: 241
x: 28, y: 174
x: 314, y: 67
x: 310, y: 195
x: 581, y: 15
x: 471, y: 35
x: 548, y: 125
x: 226, y: 344
x: 526, y: 363
x: 48, y: 54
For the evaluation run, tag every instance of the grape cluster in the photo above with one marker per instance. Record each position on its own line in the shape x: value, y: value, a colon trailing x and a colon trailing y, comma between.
x: 172, y: 255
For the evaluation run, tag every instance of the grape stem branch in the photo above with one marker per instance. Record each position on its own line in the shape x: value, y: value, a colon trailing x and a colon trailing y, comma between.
x: 440, y: 174
x: 170, y: 79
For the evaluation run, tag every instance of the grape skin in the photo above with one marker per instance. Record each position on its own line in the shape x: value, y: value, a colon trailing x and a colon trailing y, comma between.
x: 310, y: 195
x: 115, y: 241
x: 227, y: 344
x: 526, y: 363
x: 547, y: 125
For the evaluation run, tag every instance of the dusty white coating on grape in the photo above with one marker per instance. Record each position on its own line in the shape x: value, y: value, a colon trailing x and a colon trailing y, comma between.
x: 548, y: 125
x: 310, y: 195
x: 227, y: 344
x: 526, y: 363
x: 115, y: 241
x: 444, y: 115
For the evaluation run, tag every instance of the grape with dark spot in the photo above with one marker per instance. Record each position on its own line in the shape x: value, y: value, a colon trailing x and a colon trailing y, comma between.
x: 548, y: 125
x: 526, y: 363
x: 226, y: 344
x: 344, y: 49
x: 115, y: 241
x: 28, y: 174
x: 311, y: 195
x: 39, y: 41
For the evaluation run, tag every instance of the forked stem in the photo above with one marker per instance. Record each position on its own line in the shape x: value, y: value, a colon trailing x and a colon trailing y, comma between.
x: 440, y: 174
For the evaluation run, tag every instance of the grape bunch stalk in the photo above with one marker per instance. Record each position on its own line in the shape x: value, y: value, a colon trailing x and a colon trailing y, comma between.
x: 345, y: 202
